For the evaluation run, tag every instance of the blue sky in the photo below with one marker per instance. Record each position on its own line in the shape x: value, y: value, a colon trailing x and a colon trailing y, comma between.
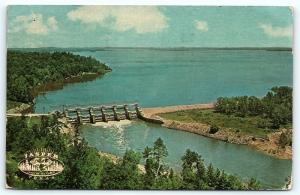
x: 149, y: 26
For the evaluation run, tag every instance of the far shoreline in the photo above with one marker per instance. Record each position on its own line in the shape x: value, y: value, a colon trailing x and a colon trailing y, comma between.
x: 59, y: 84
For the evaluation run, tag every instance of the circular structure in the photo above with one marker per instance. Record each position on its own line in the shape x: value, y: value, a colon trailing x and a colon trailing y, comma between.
x: 41, y: 164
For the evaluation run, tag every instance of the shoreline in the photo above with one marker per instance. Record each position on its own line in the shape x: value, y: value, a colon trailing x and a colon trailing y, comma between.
x: 267, y: 146
x: 53, y: 86
x: 59, y: 84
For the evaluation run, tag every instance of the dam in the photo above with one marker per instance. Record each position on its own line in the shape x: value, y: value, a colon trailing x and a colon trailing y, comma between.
x: 102, y: 113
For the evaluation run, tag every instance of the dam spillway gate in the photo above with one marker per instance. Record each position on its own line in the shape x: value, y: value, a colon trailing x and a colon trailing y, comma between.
x: 103, y: 113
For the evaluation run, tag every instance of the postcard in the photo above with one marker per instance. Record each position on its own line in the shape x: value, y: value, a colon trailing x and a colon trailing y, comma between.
x: 109, y: 97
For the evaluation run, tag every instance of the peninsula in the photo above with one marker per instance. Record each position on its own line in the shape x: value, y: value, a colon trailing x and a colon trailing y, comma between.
x: 30, y: 73
x: 264, y: 124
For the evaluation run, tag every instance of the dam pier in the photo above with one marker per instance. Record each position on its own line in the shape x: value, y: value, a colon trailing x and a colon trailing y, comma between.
x: 103, y: 113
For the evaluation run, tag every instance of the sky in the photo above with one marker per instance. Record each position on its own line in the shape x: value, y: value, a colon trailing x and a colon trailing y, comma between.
x: 148, y: 26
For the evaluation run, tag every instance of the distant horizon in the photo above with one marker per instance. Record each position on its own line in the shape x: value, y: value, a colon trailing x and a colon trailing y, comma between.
x: 145, y: 47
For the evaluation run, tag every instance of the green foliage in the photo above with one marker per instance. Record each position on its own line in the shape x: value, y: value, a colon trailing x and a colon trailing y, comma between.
x: 252, y: 184
x: 285, y: 138
x: 12, y: 104
x: 27, y: 70
x: 249, y: 115
x: 213, y: 129
x: 156, y: 169
x: 193, y: 171
x: 247, y: 125
x: 85, y: 169
x: 276, y: 106
x: 123, y: 175
x: 196, y: 176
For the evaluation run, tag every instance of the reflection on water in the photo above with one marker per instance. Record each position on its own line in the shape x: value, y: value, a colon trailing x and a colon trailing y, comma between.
x: 113, y: 124
x: 114, y: 133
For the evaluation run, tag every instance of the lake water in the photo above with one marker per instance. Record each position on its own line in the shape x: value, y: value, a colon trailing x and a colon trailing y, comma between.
x: 159, y: 77
x: 162, y: 77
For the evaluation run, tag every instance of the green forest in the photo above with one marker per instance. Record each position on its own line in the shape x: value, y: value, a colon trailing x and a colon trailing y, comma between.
x: 248, y: 115
x: 85, y: 169
x: 27, y: 70
x: 274, y: 109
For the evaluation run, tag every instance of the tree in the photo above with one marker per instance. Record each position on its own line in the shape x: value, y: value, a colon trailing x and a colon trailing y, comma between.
x: 125, y: 174
x: 276, y: 106
x: 83, y: 168
x: 213, y: 129
x: 285, y: 139
x: 156, y: 169
x: 253, y: 184
x: 28, y: 70
x: 210, y: 176
x: 130, y: 171
x: 193, y: 171
x: 14, y: 126
x: 255, y: 106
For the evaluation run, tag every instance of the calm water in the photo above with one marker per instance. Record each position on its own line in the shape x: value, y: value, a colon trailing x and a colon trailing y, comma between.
x: 235, y: 159
x: 163, y: 77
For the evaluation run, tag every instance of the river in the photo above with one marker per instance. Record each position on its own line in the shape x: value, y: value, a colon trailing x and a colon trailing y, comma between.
x: 161, y: 77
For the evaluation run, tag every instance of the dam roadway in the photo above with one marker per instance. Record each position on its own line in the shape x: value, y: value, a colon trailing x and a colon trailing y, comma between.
x: 147, y: 112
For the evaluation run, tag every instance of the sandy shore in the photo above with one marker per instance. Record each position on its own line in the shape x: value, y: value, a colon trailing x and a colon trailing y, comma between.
x: 268, y: 146
x: 148, y: 112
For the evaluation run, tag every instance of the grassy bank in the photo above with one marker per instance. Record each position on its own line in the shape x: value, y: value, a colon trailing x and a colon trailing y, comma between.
x: 248, y: 125
x: 233, y: 129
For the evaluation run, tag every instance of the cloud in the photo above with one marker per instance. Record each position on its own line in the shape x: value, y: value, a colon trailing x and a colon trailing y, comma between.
x: 52, y: 23
x: 201, y: 25
x: 272, y: 31
x: 141, y: 19
x: 33, y: 24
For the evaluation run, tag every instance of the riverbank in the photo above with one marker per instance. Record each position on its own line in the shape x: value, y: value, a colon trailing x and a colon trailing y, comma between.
x: 268, y: 145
